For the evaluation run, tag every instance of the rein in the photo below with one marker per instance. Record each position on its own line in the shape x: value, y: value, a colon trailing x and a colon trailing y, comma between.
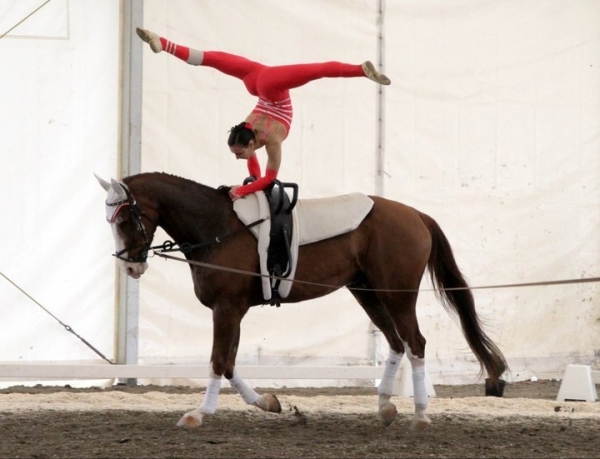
x: 483, y: 287
x: 167, y: 246
x: 186, y: 247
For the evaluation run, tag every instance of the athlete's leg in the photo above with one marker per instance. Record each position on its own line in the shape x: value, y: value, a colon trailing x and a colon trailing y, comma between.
x: 230, y: 64
x: 273, y: 82
x: 158, y: 44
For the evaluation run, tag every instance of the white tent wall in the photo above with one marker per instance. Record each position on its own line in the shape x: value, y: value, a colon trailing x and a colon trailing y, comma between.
x: 491, y: 126
x: 59, y: 116
x: 496, y: 134
x: 187, y: 113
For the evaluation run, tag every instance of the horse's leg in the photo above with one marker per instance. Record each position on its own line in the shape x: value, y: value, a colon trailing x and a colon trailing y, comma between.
x: 266, y: 402
x: 399, y: 247
x: 195, y: 417
x: 407, y: 326
x: 387, y: 410
x: 382, y: 320
x: 400, y: 308
x: 226, y: 330
x: 420, y: 421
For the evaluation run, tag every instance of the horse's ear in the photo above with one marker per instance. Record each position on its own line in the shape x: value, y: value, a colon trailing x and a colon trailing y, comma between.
x: 119, y: 188
x: 103, y: 183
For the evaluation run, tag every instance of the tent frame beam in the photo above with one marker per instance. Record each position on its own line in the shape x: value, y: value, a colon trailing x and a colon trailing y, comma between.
x: 130, y: 158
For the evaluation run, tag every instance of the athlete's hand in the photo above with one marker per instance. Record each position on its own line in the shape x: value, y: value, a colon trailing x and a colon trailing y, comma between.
x: 232, y: 194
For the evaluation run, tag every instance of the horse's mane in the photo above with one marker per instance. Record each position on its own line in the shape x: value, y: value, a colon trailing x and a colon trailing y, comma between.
x: 173, y: 180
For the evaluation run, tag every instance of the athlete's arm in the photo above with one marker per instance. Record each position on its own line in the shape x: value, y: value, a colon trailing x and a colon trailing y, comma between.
x: 254, y: 167
x: 272, y: 169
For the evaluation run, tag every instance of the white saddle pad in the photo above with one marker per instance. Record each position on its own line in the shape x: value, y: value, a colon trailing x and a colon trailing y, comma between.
x: 313, y: 220
x: 323, y: 218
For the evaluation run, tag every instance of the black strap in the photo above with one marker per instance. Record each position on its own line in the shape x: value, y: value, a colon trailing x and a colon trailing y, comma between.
x: 186, y: 247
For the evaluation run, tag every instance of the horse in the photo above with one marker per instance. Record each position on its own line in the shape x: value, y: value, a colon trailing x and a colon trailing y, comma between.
x: 381, y: 262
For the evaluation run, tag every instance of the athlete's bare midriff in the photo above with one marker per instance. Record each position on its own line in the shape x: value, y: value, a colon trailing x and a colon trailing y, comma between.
x: 266, y: 129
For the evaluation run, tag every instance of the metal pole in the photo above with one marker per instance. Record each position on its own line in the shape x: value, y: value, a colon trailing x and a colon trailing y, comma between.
x: 374, y: 332
x: 380, y: 180
x: 130, y: 163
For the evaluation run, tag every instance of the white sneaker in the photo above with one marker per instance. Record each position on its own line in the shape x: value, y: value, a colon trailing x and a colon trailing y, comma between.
x: 373, y: 74
x: 151, y: 38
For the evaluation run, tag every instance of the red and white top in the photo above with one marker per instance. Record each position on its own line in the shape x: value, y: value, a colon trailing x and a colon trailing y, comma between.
x: 280, y: 111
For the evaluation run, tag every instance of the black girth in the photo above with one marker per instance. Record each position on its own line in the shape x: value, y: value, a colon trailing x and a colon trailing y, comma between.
x: 279, y: 256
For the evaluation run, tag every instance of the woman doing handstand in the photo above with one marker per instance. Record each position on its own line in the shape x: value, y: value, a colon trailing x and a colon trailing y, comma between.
x: 269, y: 123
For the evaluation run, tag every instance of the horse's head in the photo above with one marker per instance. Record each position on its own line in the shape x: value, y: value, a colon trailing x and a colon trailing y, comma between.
x: 132, y: 236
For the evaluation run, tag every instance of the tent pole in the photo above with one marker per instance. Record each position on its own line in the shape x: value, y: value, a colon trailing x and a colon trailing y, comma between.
x: 380, y: 177
x: 374, y: 332
x: 127, y: 320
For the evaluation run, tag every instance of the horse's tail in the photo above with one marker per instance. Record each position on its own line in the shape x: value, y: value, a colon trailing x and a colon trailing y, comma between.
x: 453, y: 292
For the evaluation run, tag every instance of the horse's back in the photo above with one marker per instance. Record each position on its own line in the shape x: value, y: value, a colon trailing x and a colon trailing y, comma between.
x: 398, y: 241
x: 400, y: 221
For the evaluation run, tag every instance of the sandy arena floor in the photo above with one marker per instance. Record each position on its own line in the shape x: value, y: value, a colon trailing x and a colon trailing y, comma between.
x: 139, y: 422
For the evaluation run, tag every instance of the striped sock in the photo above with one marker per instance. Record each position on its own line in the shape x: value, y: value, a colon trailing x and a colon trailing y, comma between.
x: 181, y: 52
x: 189, y: 55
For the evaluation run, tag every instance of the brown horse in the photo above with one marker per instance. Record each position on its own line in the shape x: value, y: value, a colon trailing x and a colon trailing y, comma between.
x: 381, y: 262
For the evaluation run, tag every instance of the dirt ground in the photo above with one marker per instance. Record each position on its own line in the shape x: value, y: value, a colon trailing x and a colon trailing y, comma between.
x: 139, y: 422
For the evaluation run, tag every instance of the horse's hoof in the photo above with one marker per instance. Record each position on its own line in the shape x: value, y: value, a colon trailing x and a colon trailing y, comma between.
x: 494, y: 389
x: 190, y: 419
x: 420, y: 423
x: 388, y: 413
x: 268, y: 402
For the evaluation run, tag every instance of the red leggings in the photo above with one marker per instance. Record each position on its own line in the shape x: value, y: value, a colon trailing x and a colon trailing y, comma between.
x: 273, y: 83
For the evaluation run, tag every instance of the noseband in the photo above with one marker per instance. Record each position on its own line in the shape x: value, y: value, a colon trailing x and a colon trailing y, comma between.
x: 136, y: 216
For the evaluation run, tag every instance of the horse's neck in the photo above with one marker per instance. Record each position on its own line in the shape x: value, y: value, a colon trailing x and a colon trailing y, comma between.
x: 192, y: 218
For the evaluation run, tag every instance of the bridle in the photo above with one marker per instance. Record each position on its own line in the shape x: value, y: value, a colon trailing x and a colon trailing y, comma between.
x: 168, y: 246
x: 136, y: 217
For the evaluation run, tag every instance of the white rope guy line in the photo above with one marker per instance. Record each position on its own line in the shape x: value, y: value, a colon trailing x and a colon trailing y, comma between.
x: 67, y: 327
x: 24, y: 19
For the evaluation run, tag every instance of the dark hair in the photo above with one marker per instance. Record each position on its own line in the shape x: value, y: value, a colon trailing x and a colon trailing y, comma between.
x: 241, y: 134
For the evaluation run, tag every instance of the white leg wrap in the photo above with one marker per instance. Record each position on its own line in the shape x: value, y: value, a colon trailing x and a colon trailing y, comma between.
x: 248, y: 394
x: 419, y: 389
x: 418, y: 378
x: 209, y: 404
x: 392, y: 364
